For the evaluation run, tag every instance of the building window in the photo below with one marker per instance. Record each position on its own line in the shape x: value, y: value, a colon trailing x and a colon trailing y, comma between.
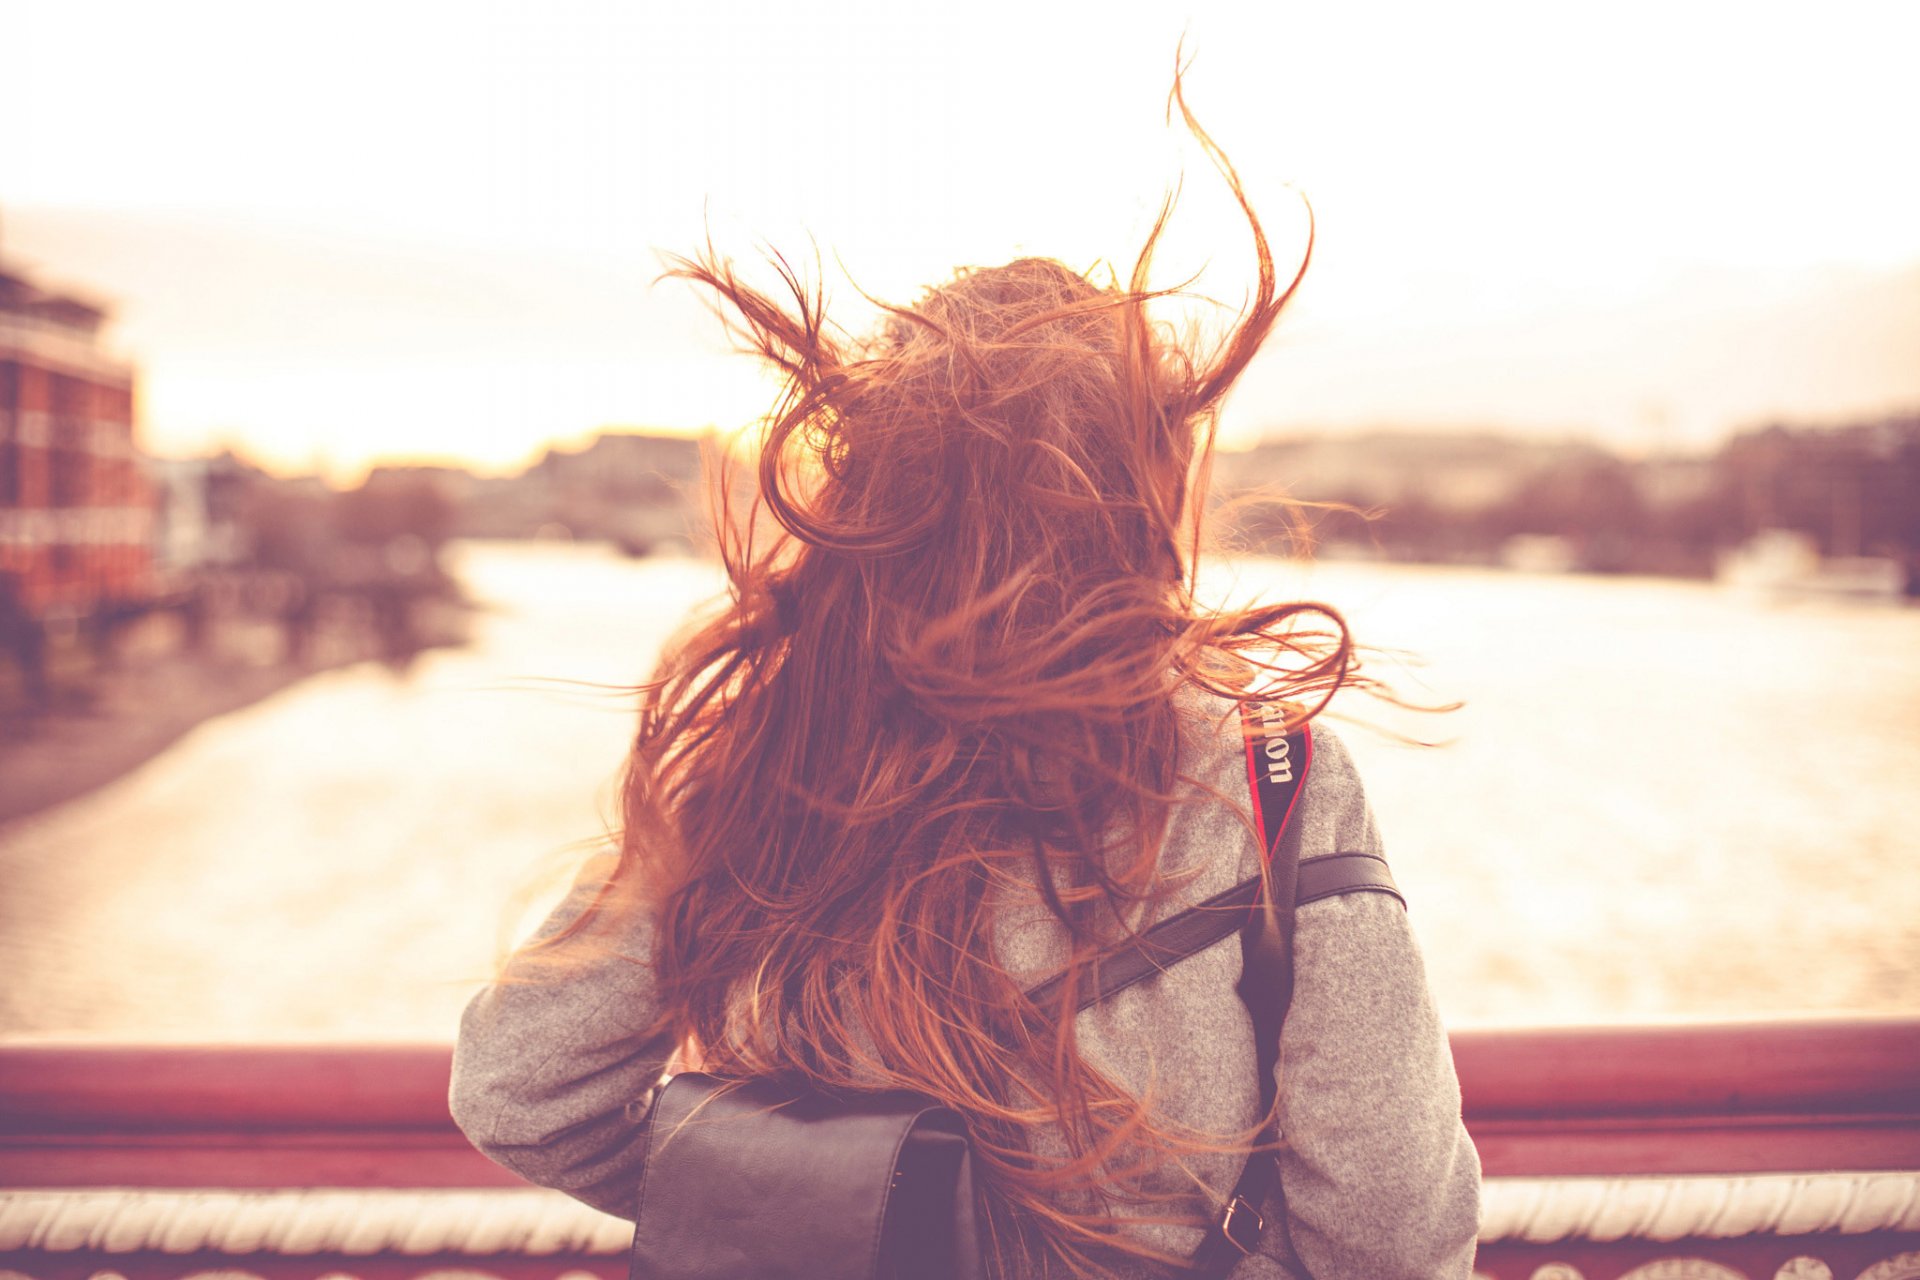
x: 10, y: 486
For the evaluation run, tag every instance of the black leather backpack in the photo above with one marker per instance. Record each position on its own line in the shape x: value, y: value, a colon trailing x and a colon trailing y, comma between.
x: 750, y: 1181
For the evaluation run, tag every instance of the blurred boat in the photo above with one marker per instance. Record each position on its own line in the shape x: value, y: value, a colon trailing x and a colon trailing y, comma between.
x: 1539, y: 553
x: 1786, y: 562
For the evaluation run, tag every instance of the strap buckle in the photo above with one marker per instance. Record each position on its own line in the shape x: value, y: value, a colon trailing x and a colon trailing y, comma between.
x: 1242, y: 1224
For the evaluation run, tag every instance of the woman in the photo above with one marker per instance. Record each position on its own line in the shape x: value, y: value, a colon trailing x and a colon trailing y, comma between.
x: 962, y: 726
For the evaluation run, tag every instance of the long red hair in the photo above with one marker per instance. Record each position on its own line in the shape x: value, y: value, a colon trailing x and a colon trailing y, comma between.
x: 960, y: 605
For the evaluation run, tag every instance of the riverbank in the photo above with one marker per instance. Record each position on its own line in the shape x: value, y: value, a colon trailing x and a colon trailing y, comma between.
x: 129, y: 716
x: 157, y: 690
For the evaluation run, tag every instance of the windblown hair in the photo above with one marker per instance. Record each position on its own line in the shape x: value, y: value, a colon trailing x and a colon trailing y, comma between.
x: 960, y: 607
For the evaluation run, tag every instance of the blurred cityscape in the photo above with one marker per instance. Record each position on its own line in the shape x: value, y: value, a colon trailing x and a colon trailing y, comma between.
x: 128, y: 578
x: 1792, y: 507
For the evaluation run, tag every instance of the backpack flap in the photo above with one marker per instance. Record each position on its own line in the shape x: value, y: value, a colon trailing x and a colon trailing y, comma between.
x: 750, y: 1180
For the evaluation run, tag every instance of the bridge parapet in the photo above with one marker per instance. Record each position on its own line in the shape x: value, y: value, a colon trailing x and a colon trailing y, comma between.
x: 1781, y: 1151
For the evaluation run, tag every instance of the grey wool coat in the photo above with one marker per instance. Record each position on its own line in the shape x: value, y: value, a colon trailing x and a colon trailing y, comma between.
x: 1379, y: 1178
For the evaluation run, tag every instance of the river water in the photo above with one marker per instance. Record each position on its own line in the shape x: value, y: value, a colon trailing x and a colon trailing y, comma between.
x: 1660, y: 801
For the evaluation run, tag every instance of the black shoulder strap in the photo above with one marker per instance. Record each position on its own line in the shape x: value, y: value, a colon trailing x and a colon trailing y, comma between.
x: 1331, y: 874
x: 1171, y: 940
x: 1276, y: 771
x: 1277, y: 765
x: 1266, y: 981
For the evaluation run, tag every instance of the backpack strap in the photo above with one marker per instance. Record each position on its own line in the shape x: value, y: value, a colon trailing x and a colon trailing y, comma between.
x: 1328, y: 875
x: 1171, y: 940
x: 1199, y: 926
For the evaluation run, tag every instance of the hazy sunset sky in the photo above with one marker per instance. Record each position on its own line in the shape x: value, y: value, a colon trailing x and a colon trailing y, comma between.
x: 421, y: 228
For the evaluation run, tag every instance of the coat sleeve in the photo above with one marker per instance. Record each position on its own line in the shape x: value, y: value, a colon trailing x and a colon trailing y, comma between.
x: 550, y: 1055
x: 1380, y: 1178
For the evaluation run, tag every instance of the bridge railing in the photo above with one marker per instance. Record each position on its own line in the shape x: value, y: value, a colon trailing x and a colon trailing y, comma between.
x: 1706, y: 1152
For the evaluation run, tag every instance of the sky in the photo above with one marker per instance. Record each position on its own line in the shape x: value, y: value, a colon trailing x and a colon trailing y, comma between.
x: 429, y: 229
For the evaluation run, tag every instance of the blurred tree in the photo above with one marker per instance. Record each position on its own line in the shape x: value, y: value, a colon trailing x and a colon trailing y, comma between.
x: 285, y: 530
x: 391, y: 507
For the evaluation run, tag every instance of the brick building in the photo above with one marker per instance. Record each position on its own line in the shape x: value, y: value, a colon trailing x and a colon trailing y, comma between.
x: 76, y: 503
x: 643, y: 491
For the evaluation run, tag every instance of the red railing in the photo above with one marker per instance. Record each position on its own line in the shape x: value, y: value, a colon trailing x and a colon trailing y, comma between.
x: 1544, y: 1106
x: 1740, y: 1098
